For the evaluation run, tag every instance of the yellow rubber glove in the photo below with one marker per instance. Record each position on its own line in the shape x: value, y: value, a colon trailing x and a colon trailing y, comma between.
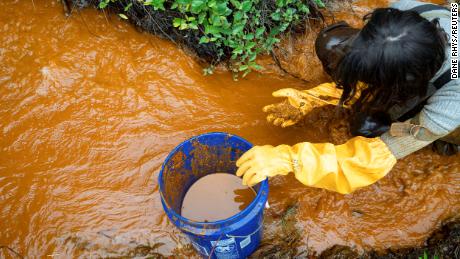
x: 343, y: 168
x: 300, y: 103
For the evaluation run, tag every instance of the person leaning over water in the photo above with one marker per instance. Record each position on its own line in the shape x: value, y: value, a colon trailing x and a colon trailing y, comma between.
x: 395, y: 77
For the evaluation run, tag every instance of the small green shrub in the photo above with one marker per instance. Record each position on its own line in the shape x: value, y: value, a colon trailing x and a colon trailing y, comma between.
x: 242, y: 27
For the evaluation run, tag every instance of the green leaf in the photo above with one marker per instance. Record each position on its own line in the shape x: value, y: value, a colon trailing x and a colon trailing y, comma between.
x: 128, y: 7
x: 198, y: 6
x: 123, y: 16
x: 289, y: 12
x: 243, y: 67
x: 236, y: 4
x: 221, y: 8
x: 246, y: 6
x: 204, y: 39
x: 280, y: 3
x: 201, y: 17
x: 250, y: 45
x: 237, y: 28
x: 212, y: 3
x: 259, y: 32
x: 276, y: 16
x: 157, y: 4
x: 103, y: 4
x: 237, y: 16
x: 226, y: 31
x: 304, y: 9
x: 208, y: 71
x: 246, y: 72
x: 249, y: 36
x: 211, y: 29
x: 183, y: 25
x: 238, y: 50
x: 193, y: 25
x: 216, y: 21
x: 256, y: 66
x: 319, y: 3
x: 276, y: 30
x: 177, y: 22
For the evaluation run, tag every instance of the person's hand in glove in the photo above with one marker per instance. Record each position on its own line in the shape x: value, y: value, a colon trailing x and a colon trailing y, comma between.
x: 340, y: 168
x: 300, y: 103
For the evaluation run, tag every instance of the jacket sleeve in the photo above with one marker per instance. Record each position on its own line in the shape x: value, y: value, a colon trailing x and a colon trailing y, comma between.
x: 441, y: 116
x: 406, y: 4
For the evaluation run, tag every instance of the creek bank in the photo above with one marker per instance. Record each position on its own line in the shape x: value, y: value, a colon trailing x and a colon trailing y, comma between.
x: 160, y: 22
x: 443, y: 243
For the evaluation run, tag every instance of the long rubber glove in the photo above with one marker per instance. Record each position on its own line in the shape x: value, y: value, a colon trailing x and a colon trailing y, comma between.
x: 343, y: 168
x: 300, y: 103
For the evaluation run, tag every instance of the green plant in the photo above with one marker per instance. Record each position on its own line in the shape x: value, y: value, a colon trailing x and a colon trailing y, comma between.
x: 425, y: 256
x: 240, y: 28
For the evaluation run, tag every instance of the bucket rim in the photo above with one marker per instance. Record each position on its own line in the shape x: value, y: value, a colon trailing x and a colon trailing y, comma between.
x: 263, y: 189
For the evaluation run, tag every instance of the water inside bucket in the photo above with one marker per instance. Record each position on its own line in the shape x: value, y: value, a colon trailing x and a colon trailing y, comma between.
x: 216, y: 197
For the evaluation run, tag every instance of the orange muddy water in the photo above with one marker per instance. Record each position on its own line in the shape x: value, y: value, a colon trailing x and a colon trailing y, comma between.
x: 215, y: 197
x: 90, y: 108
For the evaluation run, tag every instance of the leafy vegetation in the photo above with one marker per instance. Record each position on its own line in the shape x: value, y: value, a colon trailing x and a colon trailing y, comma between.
x: 425, y: 256
x: 240, y: 29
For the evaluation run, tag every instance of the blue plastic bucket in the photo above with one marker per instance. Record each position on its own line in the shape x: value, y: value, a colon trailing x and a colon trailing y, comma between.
x: 235, y: 237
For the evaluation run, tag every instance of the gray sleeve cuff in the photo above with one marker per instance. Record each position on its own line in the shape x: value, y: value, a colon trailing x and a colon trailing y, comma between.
x: 403, y: 146
x: 406, y: 4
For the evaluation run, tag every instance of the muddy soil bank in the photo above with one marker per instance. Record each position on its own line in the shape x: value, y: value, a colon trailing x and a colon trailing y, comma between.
x: 90, y: 108
x: 160, y: 23
x: 443, y: 243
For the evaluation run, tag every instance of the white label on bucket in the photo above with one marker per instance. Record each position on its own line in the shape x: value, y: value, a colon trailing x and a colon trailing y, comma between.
x: 225, y: 249
x: 245, y: 242
x: 201, y: 249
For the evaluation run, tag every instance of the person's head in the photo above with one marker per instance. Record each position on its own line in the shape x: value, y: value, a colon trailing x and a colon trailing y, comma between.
x: 395, y: 54
x: 333, y: 43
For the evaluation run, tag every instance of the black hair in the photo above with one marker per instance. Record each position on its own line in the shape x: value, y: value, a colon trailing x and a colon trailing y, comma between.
x: 395, y: 54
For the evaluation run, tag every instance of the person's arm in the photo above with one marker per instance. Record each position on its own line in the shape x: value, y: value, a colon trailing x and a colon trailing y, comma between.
x: 442, y: 15
x: 440, y: 116
x: 360, y: 161
x: 341, y: 168
x: 406, y: 4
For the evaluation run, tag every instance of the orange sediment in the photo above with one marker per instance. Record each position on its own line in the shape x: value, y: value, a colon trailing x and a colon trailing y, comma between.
x: 90, y: 108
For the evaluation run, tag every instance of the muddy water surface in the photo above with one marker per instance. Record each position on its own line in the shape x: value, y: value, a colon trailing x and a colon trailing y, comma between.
x: 90, y: 108
x: 216, y: 197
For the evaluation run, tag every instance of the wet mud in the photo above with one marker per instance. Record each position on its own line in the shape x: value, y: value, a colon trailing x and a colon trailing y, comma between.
x: 90, y: 108
x: 443, y: 243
